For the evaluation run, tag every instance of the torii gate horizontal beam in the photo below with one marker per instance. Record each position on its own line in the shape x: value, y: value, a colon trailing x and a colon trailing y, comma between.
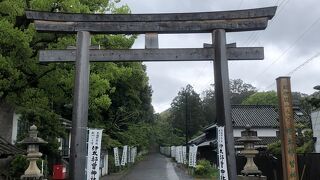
x: 187, y: 54
x: 231, y: 21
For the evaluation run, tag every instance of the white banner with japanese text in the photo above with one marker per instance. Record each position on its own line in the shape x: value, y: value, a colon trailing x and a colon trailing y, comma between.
x: 222, y: 154
x: 124, y: 158
x: 116, y: 156
x: 184, y: 154
x: 94, y: 149
x: 193, y: 156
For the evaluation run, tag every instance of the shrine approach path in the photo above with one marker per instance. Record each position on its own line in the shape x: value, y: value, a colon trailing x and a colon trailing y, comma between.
x: 156, y: 167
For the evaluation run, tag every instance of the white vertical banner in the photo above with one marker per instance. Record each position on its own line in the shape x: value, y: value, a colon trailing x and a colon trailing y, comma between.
x: 180, y: 154
x: 106, y: 166
x: 194, y: 156
x: 129, y: 154
x: 93, y: 158
x: 124, y: 156
x: 173, y: 151
x: 132, y: 154
x: 222, y: 154
x: 177, y: 156
x: 116, y: 156
x: 184, y: 154
x: 135, y: 152
x: 190, y: 156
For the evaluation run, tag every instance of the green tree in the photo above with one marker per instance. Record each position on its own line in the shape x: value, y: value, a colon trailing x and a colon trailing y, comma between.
x: 314, y: 99
x: 187, y: 107
x: 119, y: 92
x: 262, y: 98
x: 165, y: 134
x: 239, y: 91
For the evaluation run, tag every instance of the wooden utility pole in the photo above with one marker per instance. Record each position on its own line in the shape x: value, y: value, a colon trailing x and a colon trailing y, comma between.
x: 287, y: 130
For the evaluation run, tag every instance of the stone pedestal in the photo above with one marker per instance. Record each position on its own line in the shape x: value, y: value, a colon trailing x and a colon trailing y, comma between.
x: 252, y: 177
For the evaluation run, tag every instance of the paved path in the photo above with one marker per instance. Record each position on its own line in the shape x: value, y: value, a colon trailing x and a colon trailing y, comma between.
x: 156, y: 167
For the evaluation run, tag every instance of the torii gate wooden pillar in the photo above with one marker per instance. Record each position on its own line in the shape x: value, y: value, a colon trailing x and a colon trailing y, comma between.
x: 217, y: 23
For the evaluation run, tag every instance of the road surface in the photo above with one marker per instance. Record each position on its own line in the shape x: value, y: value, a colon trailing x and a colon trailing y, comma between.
x: 156, y: 167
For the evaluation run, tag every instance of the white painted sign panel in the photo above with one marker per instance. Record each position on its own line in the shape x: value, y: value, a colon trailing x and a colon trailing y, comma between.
x: 124, y: 156
x: 93, y: 158
x: 222, y: 154
x: 116, y: 156
x: 184, y: 154
x: 193, y: 156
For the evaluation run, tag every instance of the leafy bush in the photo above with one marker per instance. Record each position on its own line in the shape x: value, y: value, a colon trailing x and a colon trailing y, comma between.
x: 18, y: 165
x: 200, y: 170
x: 205, y: 170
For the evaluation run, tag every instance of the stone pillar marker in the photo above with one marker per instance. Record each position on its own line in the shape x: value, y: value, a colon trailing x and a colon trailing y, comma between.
x: 287, y: 130
x: 33, y: 142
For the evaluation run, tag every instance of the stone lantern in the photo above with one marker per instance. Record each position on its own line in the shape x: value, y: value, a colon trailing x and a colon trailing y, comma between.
x: 33, y: 142
x: 250, y: 170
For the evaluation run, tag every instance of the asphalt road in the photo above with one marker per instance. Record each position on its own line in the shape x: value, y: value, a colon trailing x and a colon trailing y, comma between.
x: 156, y: 167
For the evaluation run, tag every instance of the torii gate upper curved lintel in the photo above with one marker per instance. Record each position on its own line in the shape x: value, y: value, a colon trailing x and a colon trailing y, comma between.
x: 204, y: 22
x: 217, y: 23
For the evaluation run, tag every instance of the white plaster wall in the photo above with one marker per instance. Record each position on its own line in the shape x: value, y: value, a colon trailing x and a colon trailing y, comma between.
x: 265, y: 132
x: 315, y: 117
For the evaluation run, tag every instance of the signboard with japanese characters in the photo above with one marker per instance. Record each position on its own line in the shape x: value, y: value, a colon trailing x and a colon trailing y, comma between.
x: 116, y: 156
x: 190, y: 156
x: 180, y: 155
x: 93, y: 159
x: 124, y: 156
x: 194, y: 160
x: 222, y: 154
x: 184, y: 154
x: 193, y: 156
x: 287, y: 130
x: 133, y: 154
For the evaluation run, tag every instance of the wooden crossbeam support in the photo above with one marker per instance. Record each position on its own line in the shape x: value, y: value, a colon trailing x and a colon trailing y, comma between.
x: 231, y: 21
x: 151, y: 41
x: 131, y: 55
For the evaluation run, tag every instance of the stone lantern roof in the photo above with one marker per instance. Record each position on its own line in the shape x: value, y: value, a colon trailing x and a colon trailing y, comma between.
x: 33, y: 138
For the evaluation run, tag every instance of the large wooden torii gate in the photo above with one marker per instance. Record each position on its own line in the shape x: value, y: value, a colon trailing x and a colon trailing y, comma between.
x: 217, y: 23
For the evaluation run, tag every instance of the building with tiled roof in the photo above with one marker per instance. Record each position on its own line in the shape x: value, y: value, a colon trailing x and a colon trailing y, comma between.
x: 7, y: 149
x: 262, y: 118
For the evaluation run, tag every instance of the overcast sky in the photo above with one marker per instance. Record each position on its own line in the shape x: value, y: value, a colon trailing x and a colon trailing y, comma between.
x: 291, y: 39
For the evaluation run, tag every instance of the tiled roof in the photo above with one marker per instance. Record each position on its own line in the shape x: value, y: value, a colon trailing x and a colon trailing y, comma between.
x: 254, y: 115
x: 7, y: 149
x: 198, y: 139
x: 261, y: 116
x: 300, y: 115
